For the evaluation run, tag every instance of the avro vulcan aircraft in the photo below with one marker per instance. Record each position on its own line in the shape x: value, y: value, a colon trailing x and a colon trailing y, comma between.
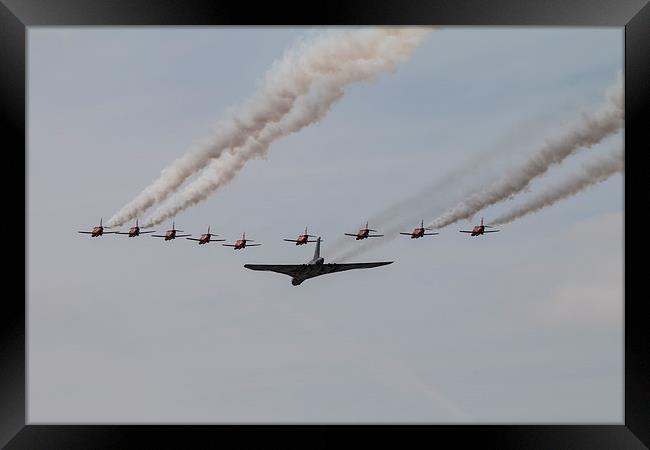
x: 171, y: 234
x: 419, y: 232
x: 479, y: 229
x: 364, y: 233
x: 135, y: 231
x: 241, y: 243
x: 302, y: 239
x: 314, y: 268
x: 98, y: 230
x: 206, y: 238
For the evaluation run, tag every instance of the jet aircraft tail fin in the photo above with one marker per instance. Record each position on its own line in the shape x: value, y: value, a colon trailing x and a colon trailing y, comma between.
x: 317, y: 251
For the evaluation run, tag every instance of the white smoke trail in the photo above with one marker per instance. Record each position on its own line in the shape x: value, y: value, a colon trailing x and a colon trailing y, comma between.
x: 307, y: 109
x: 589, y: 130
x: 593, y: 172
x: 456, y: 184
x: 288, y: 80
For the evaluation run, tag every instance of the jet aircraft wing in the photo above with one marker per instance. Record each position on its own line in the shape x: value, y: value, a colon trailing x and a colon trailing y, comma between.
x: 295, y: 270
x: 287, y: 269
x: 334, y: 267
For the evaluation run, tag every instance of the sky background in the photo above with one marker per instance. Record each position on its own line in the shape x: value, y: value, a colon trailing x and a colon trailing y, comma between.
x: 524, y: 325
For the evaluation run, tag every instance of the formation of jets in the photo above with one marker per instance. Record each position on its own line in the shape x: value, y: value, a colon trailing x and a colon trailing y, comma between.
x: 207, y: 237
x: 298, y: 272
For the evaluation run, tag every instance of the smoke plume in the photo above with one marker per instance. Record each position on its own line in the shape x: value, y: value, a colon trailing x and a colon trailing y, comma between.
x: 482, y: 168
x: 343, y: 55
x: 307, y: 109
x: 593, y: 172
x: 588, y: 130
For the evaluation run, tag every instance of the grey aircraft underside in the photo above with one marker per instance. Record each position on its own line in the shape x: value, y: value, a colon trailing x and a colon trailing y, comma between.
x: 314, y: 268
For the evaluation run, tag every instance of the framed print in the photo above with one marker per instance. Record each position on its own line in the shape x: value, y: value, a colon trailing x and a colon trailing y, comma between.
x: 388, y: 215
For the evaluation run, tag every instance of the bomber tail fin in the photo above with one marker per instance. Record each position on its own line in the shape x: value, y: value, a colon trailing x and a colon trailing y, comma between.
x: 317, y: 250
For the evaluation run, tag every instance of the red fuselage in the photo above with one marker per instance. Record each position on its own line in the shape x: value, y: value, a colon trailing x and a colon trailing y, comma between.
x: 204, y: 239
x: 302, y: 239
x: 417, y: 233
x: 478, y: 229
x: 239, y: 244
x: 134, y: 231
x: 169, y: 235
x: 97, y: 231
x: 362, y: 234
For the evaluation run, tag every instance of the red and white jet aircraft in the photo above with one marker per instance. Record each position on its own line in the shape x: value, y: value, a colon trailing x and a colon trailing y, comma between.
x: 171, y: 234
x: 419, y: 232
x: 479, y: 229
x: 135, y: 231
x: 206, y: 238
x: 241, y: 243
x: 302, y: 239
x: 98, y: 230
x: 364, y: 233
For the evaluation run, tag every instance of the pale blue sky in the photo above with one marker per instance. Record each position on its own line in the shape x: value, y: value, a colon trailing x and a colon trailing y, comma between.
x: 520, y: 326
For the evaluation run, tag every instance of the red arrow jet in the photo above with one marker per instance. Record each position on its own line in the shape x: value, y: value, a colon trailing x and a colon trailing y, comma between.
x: 206, y: 238
x: 479, y: 229
x: 241, y: 243
x: 98, y: 230
x: 420, y: 231
x: 171, y: 234
x: 135, y: 231
x: 302, y: 239
x: 364, y: 233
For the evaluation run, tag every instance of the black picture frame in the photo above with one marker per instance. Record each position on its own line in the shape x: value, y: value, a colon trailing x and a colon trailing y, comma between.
x: 17, y: 15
